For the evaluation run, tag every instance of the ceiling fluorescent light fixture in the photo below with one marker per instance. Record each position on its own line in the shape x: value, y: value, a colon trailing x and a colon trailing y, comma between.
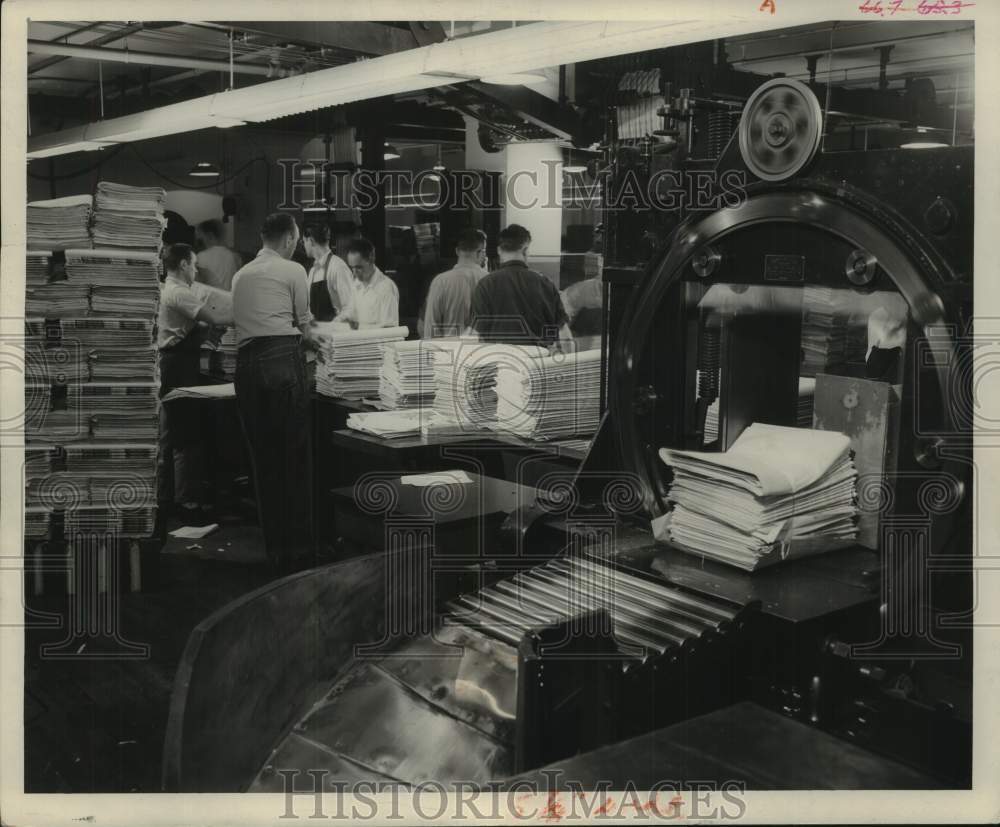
x: 220, y: 122
x: 390, y: 153
x: 922, y: 145
x: 65, y: 149
x: 204, y: 169
x: 514, y: 78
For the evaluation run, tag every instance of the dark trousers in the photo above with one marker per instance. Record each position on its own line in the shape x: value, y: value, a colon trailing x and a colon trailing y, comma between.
x: 273, y: 402
x: 180, y: 469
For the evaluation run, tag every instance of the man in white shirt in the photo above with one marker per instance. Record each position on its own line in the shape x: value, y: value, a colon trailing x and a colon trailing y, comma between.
x: 449, y: 301
x: 217, y: 264
x: 374, y: 298
x: 330, y: 278
x: 272, y: 320
x: 182, y: 315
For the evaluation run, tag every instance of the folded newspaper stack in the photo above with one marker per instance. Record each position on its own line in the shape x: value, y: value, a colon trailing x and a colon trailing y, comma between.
x: 407, y: 377
x: 57, y: 300
x: 550, y: 397
x: 465, y: 380
x: 117, y: 411
x: 124, y: 282
x: 36, y: 268
x: 777, y: 493
x: 59, y: 223
x: 128, y: 216
x: 351, y: 362
x: 118, y: 349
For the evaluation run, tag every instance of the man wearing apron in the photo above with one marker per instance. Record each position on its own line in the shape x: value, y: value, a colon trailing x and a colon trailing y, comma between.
x: 183, y: 313
x: 330, y: 277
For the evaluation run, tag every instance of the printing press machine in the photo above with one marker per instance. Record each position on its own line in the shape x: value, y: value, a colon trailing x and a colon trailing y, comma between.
x: 573, y: 639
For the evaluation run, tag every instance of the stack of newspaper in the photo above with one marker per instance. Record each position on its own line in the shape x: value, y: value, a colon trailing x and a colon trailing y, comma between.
x: 778, y: 492
x: 824, y: 330
x: 128, y: 216
x: 59, y: 223
x: 407, y: 378
x: 549, y: 397
x: 57, y: 491
x: 124, y: 282
x: 36, y: 268
x: 121, y: 458
x: 117, y: 411
x: 59, y: 427
x: 118, y: 349
x: 36, y: 521
x: 350, y: 363
x: 465, y: 379
x: 57, y: 300
x: 37, y: 462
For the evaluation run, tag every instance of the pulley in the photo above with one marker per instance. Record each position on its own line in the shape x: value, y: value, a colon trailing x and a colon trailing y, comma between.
x: 780, y: 129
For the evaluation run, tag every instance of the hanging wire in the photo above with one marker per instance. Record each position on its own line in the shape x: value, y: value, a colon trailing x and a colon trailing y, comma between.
x: 100, y: 83
x: 186, y: 186
x: 105, y: 154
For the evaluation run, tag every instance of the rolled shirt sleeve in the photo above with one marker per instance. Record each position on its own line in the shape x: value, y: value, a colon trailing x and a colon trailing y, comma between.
x: 300, y: 300
x: 186, y: 301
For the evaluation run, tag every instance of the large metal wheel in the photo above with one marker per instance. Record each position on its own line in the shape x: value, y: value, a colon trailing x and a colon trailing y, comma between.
x: 780, y: 129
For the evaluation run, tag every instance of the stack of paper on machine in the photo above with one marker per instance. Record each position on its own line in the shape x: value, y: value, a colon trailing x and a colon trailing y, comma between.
x: 128, y: 216
x: 407, y: 377
x: 59, y: 223
x: 350, y: 364
x: 777, y: 493
x: 550, y: 397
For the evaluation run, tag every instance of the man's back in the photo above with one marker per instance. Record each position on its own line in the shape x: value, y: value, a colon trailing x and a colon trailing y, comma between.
x: 269, y: 297
x: 217, y: 265
x: 516, y: 305
x: 449, y: 301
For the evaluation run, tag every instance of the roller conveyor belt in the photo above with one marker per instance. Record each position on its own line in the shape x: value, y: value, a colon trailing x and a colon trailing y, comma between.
x: 649, y: 617
x: 448, y: 706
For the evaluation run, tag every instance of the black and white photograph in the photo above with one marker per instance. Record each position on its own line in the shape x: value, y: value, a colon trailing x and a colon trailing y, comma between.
x: 585, y: 416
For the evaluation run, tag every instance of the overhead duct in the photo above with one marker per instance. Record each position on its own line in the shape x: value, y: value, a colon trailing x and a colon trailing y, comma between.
x: 522, y: 49
x: 44, y: 47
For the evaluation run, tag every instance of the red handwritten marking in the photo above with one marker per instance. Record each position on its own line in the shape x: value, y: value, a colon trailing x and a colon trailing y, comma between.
x: 767, y: 4
x: 605, y: 808
x: 554, y: 809
x: 942, y: 7
x: 924, y: 8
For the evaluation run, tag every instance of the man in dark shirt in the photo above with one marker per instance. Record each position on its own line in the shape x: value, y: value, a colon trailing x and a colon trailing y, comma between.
x: 514, y: 304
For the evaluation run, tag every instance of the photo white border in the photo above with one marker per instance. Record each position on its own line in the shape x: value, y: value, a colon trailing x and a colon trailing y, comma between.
x: 981, y: 805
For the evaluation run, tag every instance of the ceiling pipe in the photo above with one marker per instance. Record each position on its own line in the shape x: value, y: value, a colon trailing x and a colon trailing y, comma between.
x: 43, y: 47
x: 119, y: 34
